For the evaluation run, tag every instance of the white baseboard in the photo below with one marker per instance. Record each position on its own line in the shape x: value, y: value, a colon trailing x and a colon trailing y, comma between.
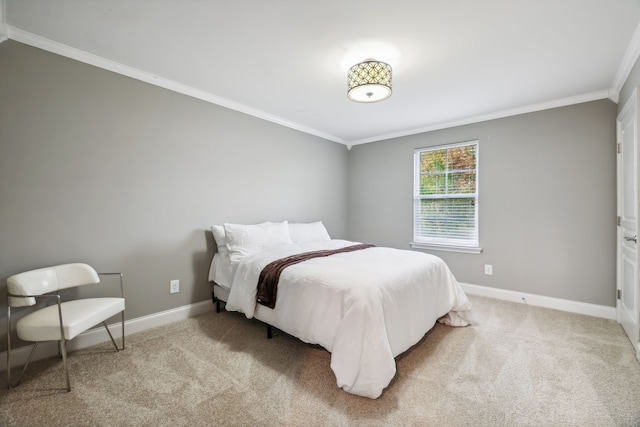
x: 98, y: 335
x: 588, y: 309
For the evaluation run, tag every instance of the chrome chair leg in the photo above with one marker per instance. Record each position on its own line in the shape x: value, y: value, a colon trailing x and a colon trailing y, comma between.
x: 33, y: 351
x: 63, y: 350
x: 8, y: 345
x: 110, y: 336
x: 122, y: 319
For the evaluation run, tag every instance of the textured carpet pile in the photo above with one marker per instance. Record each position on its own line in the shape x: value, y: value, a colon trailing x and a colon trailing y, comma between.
x: 519, y: 366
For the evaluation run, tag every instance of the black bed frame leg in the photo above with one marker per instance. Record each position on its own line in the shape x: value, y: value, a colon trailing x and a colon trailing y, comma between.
x: 217, y: 301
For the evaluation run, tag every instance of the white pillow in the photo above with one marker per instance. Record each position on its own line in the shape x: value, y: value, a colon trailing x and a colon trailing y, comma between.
x: 221, y: 239
x: 313, y: 232
x: 243, y: 240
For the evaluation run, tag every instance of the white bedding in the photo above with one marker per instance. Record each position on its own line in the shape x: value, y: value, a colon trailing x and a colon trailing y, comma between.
x: 365, y: 307
x: 222, y: 270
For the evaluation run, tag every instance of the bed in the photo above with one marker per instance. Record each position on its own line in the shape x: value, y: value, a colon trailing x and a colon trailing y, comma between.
x: 365, y: 305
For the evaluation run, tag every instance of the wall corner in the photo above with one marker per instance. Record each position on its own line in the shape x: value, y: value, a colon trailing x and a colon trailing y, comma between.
x: 3, y: 25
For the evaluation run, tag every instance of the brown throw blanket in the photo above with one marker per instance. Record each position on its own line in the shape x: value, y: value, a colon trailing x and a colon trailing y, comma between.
x: 270, y: 275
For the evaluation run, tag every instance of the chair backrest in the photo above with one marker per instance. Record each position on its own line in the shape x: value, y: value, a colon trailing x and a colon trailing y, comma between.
x: 49, y: 279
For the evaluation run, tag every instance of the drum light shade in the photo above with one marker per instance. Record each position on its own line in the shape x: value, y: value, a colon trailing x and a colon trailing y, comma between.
x: 369, y: 81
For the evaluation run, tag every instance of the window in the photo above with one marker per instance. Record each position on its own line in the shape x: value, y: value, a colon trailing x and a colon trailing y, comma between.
x: 445, y: 214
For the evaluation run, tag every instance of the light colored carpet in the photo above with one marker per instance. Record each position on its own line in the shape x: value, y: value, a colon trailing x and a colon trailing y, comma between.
x: 520, y: 366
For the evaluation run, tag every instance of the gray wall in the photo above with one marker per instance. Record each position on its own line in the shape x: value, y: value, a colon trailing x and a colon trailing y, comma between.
x: 101, y: 168
x: 547, y: 200
x: 104, y: 169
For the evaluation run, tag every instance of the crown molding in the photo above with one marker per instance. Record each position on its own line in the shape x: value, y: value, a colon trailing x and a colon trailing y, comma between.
x: 633, y: 52
x: 593, y: 96
x: 125, y: 70
x: 628, y: 61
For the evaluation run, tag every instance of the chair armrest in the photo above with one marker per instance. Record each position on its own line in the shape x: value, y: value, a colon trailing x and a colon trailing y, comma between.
x: 24, y: 299
x: 34, y: 296
x: 121, y: 280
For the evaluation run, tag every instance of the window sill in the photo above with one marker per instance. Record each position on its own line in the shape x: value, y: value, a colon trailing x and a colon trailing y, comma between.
x: 447, y: 248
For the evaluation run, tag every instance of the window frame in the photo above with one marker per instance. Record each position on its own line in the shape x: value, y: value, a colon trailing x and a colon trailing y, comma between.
x: 437, y: 243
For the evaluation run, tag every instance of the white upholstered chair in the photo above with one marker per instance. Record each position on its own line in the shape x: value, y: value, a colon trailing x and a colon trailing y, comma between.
x: 62, y: 320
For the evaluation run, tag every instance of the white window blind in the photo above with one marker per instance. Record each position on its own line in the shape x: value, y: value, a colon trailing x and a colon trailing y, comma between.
x: 446, y: 195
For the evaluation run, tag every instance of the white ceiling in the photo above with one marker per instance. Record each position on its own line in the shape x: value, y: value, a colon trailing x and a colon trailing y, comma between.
x: 454, y: 61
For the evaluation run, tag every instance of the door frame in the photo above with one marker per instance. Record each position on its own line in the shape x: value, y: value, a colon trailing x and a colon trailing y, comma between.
x: 632, y: 106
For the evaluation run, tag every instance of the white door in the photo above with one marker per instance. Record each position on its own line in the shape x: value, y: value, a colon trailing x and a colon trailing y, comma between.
x: 627, y: 246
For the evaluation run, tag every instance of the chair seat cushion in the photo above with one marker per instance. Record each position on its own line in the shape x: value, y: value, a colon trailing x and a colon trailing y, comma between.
x: 77, y: 317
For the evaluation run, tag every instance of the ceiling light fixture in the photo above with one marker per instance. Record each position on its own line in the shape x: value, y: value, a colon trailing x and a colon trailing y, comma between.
x: 369, y: 81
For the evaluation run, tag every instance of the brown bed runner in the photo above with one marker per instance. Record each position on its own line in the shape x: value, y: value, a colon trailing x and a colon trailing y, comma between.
x: 270, y: 275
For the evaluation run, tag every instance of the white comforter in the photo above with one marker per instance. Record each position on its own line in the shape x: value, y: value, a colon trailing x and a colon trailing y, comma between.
x: 365, y: 307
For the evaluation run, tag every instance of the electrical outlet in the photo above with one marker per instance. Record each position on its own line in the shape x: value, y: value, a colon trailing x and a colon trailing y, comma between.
x: 174, y: 286
x: 488, y: 269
